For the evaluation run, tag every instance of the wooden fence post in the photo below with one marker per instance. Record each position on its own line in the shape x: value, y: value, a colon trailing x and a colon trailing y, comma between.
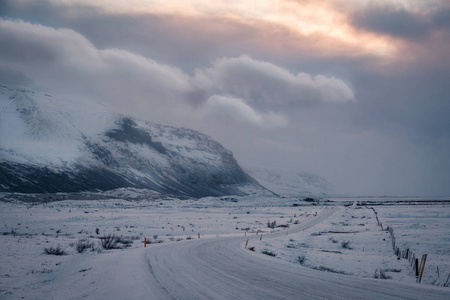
x: 145, y: 242
x: 417, y: 267
x: 422, y: 266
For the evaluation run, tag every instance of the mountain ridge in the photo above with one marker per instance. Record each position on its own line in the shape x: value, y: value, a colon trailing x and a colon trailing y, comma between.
x: 54, y: 143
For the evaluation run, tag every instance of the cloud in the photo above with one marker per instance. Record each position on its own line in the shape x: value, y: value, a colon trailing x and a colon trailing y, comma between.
x: 266, y: 85
x: 303, y: 31
x: 236, y: 109
x: 65, y: 61
x: 401, y: 21
x: 441, y: 18
x: 392, y: 21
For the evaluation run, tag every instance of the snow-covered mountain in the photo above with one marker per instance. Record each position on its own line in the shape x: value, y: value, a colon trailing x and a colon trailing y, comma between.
x: 290, y: 183
x: 68, y: 144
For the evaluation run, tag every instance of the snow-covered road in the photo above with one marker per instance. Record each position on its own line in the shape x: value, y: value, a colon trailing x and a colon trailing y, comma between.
x: 220, y: 268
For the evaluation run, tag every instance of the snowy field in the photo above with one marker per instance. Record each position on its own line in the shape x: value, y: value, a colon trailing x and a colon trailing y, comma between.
x: 424, y: 229
x: 351, y: 242
x: 348, y: 242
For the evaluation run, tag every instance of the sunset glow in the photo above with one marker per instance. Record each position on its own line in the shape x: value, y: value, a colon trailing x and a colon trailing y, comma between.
x: 305, y: 19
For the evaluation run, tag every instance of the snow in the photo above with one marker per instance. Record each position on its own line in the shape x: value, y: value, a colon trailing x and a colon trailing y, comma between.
x: 424, y: 229
x: 69, y: 140
x: 41, y: 129
x: 290, y: 183
x: 218, y: 258
x: 349, y: 242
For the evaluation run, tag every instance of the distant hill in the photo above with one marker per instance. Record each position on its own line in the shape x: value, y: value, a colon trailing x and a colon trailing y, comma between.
x: 290, y: 183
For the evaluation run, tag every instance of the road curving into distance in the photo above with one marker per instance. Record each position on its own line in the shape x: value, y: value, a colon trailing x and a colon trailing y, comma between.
x: 220, y: 268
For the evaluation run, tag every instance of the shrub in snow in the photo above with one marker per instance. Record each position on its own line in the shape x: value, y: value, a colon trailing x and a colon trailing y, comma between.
x: 13, y: 232
x: 55, y: 251
x: 301, y: 259
x: 125, y: 241
x: 110, y: 241
x: 382, y: 274
x: 291, y: 246
x: 346, y: 244
x: 83, y: 244
x: 270, y: 253
x: 333, y: 240
x: 271, y: 224
x: 326, y: 269
x: 43, y: 271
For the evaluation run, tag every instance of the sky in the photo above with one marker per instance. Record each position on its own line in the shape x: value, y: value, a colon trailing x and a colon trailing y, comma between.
x: 355, y: 91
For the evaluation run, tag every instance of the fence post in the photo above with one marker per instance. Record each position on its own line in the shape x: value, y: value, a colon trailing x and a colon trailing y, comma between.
x: 417, y: 267
x: 145, y: 242
x: 422, y: 266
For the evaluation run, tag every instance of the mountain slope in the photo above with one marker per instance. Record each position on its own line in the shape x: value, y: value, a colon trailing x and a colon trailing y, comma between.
x: 290, y: 183
x: 67, y: 144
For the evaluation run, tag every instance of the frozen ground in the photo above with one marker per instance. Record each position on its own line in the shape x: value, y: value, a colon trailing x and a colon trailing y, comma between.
x: 424, y: 229
x: 351, y: 242
x: 27, y: 229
